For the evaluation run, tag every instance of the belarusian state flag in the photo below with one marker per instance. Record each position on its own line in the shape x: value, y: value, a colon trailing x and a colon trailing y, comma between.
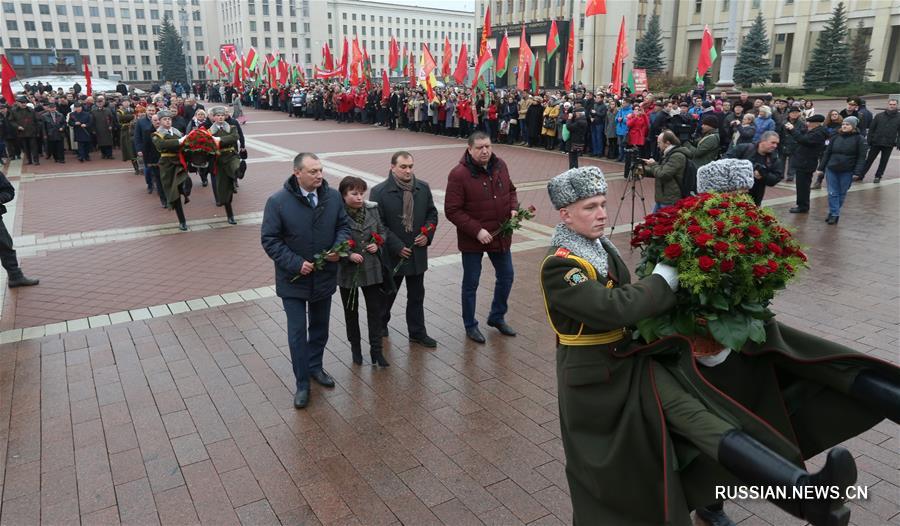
x: 252, y: 58
x: 595, y: 7
x: 404, y: 61
x: 707, y: 53
x: 485, y: 61
x: 552, y: 41
x: 503, y: 56
x: 462, y: 65
x: 394, y: 55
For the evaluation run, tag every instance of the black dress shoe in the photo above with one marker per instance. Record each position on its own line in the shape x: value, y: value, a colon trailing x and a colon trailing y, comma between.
x: 878, y: 179
x: 182, y: 227
x: 501, y: 326
x: 832, y: 220
x: 149, y: 190
x: 322, y: 378
x: 424, y: 341
x: 231, y: 221
x: 714, y: 517
x: 475, y: 335
x: 301, y: 398
x: 22, y: 281
x: 798, y: 210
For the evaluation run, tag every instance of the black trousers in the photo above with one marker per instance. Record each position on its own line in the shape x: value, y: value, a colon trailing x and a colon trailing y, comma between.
x: 7, y: 254
x: 415, y: 304
x: 573, y: 158
x: 29, y: 149
x: 885, y: 152
x: 55, y: 148
x: 803, y: 180
x: 374, y: 301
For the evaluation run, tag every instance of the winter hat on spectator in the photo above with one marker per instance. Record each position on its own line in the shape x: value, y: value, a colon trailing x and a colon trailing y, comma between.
x: 725, y: 175
x: 852, y: 121
x: 710, y: 120
x: 816, y: 118
x: 576, y: 184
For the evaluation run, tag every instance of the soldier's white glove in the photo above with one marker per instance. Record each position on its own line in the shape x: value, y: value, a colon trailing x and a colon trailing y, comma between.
x: 670, y: 274
x: 181, y: 139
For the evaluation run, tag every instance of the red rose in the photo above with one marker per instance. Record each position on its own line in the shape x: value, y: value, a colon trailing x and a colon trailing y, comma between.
x: 741, y: 248
x: 727, y: 265
x: 694, y: 229
x: 377, y: 239
x: 702, y: 239
x: 736, y: 220
x: 714, y: 212
x: 351, y: 243
x: 760, y: 271
x: 775, y: 249
x: 754, y: 231
x: 773, y: 265
x: 752, y: 215
x: 706, y: 263
x: 720, y: 227
x: 427, y: 228
x: 736, y: 232
x: 801, y: 255
x: 789, y: 268
x: 645, y: 234
x: 672, y: 251
x: 721, y: 247
x: 661, y: 230
x: 758, y: 248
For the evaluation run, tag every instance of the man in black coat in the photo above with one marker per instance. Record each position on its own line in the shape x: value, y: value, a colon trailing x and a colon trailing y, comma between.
x: 407, y: 207
x: 884, y: 135
x: 766, y: 165
x: 303, y: 219
x: 54, y: 130
x: 7, y: 254
x: 810, y: 145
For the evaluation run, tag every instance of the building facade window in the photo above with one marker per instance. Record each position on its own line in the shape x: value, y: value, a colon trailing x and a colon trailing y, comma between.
x: 9, y: 7
x: 29, y: 25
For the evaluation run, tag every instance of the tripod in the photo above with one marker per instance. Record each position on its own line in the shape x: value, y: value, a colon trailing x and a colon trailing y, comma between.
x: 633, y: 174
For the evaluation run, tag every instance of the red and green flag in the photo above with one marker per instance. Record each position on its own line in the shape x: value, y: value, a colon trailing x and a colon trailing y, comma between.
x: 404, y: 61
x: 503, y: 56
x: 485, y: 61
x: 252, y: 58
x: 707, y: 53
x: 552, y: 41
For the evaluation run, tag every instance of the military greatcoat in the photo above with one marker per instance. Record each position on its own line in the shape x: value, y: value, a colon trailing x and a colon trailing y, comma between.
x: 172, y: 173
x: 227, y: 163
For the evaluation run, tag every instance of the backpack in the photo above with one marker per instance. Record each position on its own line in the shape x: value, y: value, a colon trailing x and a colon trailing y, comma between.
x: 688, y: 184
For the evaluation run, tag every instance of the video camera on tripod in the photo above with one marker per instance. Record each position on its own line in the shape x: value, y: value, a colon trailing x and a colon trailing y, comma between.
x: 634, y: 164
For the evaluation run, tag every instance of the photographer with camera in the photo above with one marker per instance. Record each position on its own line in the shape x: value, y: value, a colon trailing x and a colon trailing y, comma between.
x: 682, y: 123
x: 669, y: 172
x: 706, y: 149
x: 766, y: 165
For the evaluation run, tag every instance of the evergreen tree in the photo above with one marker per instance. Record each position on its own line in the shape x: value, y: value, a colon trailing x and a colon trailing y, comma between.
x: 830, y: 62
x: 752, y: 66
x: 171, y: 54
x: 860, y: 53
x: 649, y: 50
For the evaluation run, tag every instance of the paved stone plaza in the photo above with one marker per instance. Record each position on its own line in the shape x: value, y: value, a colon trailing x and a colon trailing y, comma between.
x: 147, y: 379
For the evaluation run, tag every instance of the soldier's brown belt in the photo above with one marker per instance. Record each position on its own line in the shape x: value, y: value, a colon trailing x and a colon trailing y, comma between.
x: 601, y: 338
x: 168, y: 155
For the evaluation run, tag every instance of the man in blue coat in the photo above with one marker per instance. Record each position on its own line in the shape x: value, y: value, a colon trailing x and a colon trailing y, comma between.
x: 303, y: 219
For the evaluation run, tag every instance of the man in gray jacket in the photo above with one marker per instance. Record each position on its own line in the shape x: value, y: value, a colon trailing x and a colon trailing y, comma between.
x: 303, y: 219
x: 407, y: 208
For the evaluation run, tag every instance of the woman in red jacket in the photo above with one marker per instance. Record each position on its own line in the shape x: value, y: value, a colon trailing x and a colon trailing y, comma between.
x: 638, y: 128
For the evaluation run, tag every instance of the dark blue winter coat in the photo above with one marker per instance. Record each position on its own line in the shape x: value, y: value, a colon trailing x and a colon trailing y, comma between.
x: 294, y: 232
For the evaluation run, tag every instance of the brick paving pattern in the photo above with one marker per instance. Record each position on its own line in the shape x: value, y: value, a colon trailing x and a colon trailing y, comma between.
x: 187, y: 418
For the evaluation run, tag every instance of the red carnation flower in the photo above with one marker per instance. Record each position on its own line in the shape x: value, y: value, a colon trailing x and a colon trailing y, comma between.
x: 801, y: 255
x: 737, y: 220
x: 735, y: 231
x: 789, y: 268
x: 775, y: 249
x: 741, y: 248
x: 702, y: 239
x: 720, y: 227
x: 752, y: 215
x: 760, y: 271
x: 426, y: 229
x: 727, y: 265
x: 714, y: 212
x: 694, y: 229
x: 706, y: 263
x: 721, y: 247
x: 672, y: 251
x: 773, y: 265
x: 754, y: 231
x: 758, y: 248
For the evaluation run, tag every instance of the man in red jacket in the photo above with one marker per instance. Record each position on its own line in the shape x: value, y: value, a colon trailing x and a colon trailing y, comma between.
x: 480, y: 197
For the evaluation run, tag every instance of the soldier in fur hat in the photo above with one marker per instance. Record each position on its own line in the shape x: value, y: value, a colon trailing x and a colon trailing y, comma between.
x: 172, y: 174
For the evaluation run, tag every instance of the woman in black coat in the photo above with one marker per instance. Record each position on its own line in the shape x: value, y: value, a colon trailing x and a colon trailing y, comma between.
x: 535, y: 119
x: 844, y: 157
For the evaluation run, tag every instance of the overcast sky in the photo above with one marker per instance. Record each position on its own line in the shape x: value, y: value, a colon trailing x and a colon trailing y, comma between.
x: 461, y: 5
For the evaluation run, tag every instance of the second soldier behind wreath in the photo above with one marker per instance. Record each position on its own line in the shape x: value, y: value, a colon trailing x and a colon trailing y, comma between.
x: 173, y: 176
x: 227, y: 162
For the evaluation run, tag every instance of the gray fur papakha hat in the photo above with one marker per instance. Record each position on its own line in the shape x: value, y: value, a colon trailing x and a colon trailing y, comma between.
x: 218, y: 110
x: 725, y: 175
x: 576, y: 184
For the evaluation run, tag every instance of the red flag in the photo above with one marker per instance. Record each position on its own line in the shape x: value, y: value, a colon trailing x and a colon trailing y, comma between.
x: 394, y: 56
x: 237, y: 76
x: 552, y: 40
x: 448, y: 55
x: 525, y: 58
x: 706, y: 45
x: 326, y: 56
x: 462, y: 65
x: 357, y: 53
x: 7, y: 75
x: 385, y: 85
x: 343, y: 66
x: 503, y: 56
x: 428, y: 60
x: 570, y: 59
x: 595, y: 7
x: 283, y: 72
x: 621, y: 53
x: 87, y: 76
x: 412, y: 70
x: 485, y: 30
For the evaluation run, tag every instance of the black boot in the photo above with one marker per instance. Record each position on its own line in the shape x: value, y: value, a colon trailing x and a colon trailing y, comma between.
x: 754, y: 463
x: 877, y: 390
x: 357, y: 353
x: 378, y: 358
x: 179, y: 211
x: 19, y: 280
x: 230, y: 214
